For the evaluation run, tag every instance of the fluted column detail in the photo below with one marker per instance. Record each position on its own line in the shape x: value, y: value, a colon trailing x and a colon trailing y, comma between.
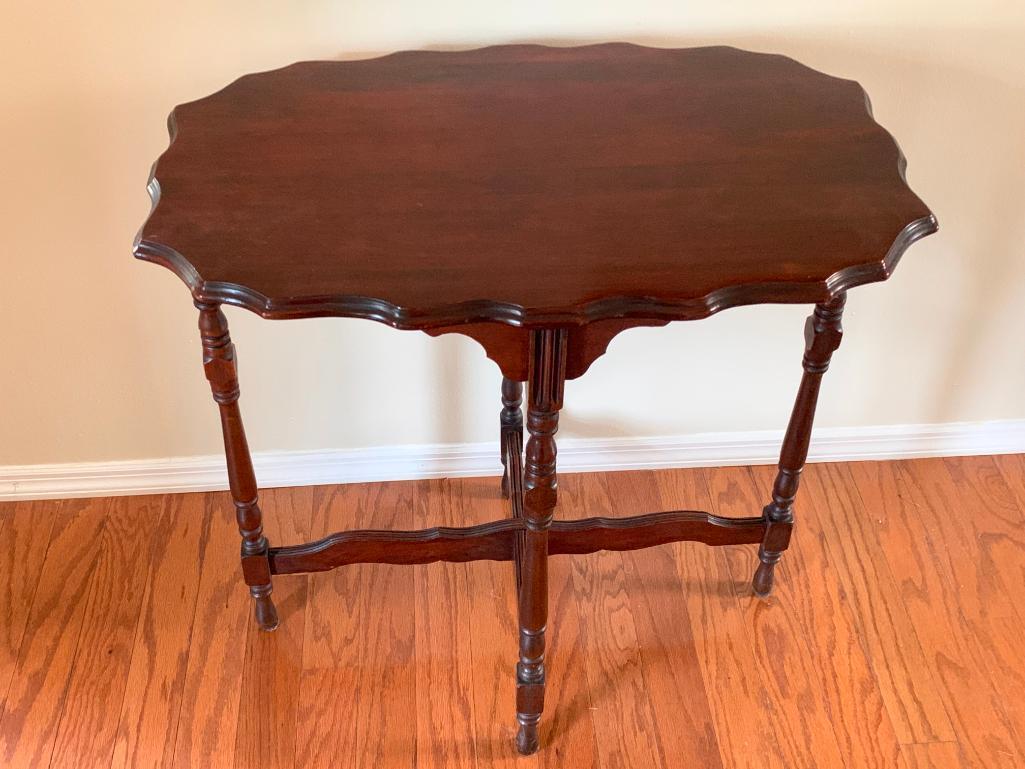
x: 511, y: 421
x: 546, y: 381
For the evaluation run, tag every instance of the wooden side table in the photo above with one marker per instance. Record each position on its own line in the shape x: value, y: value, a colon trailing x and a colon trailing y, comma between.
x: 540, y: 201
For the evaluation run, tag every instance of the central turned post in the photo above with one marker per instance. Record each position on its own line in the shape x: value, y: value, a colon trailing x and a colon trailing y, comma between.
x: 545, y: 381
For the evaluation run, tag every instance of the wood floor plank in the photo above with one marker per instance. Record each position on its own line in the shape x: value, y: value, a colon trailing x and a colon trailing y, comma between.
x: 148, y: 722
x: 269, y: 704
x: 935, y: 755
x: 444, y: 638
x: 993, y: 510
x: 1012, y: 468
x: 568, y: 738
x: 919, y: 562
x: 386, y: 696
x: 831, y: 634
x: 331, y: 676
x: 36, y: 695
x: 24, y: 536
x: 624, y: 725
x: 493, y: 629
x: 806, y: 642
x: 357, y: 696
x: 897, y: 618
x: 208, y: 719
x: 971, y: 508
x: 97, y: 680
x: 751, y: 730
x: 830, y: 505
x: 669, y: 661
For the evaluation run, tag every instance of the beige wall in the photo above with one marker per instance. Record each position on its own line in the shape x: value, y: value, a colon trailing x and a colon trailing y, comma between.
x: 100, y: 356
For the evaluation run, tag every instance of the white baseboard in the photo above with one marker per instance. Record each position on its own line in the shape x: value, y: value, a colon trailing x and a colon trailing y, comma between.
x: 305, y: 468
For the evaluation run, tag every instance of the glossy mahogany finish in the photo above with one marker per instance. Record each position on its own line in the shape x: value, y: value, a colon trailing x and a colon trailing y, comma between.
x: 540, y: 201
x: 427, y: 189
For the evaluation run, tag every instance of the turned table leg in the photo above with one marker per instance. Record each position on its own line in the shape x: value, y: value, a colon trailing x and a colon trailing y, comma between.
x: 822, y: 336
x: 219, y: 364
x: 511, y: 418
x: 546, y: 380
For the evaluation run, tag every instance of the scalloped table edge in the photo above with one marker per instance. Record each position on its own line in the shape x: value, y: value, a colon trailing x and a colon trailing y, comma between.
x: 486, y: 310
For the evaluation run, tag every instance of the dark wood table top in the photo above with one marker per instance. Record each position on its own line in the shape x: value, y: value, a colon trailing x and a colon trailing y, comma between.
x: 530, y: 185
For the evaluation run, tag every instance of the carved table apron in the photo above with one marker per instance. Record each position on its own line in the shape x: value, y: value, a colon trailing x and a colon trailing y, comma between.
x: 541, y: 201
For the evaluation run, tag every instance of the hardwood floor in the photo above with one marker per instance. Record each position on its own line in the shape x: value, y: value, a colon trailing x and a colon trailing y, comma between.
x: 894, y: 638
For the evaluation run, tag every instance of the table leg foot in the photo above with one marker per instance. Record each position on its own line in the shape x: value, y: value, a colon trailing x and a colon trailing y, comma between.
x: 264, y: 611
x: 765, y: 573
x: 527, y: 740
x: 530, y: 689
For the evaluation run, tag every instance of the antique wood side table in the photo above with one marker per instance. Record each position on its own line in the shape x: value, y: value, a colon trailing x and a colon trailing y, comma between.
x: 540, y: 201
